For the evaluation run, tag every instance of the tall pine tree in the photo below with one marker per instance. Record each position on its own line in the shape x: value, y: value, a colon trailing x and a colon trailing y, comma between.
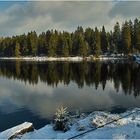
x: 104, y: 41
x: 97, y: 42
x: 17, y: 50
x: 126, y: 37
x: 117, y: 38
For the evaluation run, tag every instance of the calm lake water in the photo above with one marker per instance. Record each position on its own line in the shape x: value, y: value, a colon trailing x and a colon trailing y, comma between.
x: 31, y: 91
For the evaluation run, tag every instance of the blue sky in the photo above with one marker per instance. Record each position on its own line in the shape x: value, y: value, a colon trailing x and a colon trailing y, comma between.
x: 21, y: 17
x: 6, y: 4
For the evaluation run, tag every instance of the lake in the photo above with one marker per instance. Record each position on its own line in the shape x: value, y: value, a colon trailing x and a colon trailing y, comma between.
x: 31, y: 91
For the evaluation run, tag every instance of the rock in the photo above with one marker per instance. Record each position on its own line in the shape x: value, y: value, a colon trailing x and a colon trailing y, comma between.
x: 98, y: 121
x: 101, y: 118
x: 17, y: 131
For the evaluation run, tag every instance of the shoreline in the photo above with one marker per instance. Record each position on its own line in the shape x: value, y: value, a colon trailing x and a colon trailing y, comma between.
x: 106, y: 124
x: 75, y: 58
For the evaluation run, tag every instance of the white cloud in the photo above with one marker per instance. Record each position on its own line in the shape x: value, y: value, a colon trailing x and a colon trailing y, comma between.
x: 126, y: 8
x: 61, y: 15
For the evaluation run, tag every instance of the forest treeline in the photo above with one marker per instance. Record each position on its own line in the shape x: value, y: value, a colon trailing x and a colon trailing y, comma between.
x: 82, y: 42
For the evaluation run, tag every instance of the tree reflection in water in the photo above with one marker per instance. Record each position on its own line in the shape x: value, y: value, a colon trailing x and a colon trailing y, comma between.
x: 125, y: 75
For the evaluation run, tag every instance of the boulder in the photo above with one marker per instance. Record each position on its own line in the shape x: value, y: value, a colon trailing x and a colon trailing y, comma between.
x: 17, y: 131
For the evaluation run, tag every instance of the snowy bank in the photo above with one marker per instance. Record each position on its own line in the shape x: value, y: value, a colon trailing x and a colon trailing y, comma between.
x: 77, y: 58
x: 97, y: 125
x: 17, y: 131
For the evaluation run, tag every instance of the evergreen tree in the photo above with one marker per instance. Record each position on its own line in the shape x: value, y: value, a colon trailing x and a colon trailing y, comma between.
x: 33, y: 42
x: 68, y: 38
x: 76, y: 40
x: 136, y: 23
x: 24, y: 46
x: 17, y: 50
x: 42, y: 44
x: 47, y: 40
x: 97, y: 42
x: 52, y: 45
x: 126, y: 37
x: 132, y: 35
x: 89, y: 37
x: 138, y: 38
x: 65, y: 48
x: 137, y: 35
x: 117, y: 37
x: 83, y: 46
x: 104, y: 41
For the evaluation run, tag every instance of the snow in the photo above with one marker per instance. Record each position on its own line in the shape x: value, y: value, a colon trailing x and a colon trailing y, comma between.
x: 44, y: 58
x: 75, y: 59
x: 20, y: 129
x: 97, y: 125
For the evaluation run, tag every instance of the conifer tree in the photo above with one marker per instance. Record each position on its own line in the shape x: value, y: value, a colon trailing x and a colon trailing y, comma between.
x: 132, y: 35
x: 65, y: 48
x: 126, y: 37
x: 104, y: 41
x: 33, y: 42
x: 138, y: 38
x: 52, y: 45
x: 89, y: 37
x: 136, y: 35
x: 97, y: 42
x: 83, y: 46
x: 136, y: 23
x: 117, y: 37
x: 17, y: 50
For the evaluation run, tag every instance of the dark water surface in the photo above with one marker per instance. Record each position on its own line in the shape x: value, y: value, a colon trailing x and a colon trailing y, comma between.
x: 31, y: 91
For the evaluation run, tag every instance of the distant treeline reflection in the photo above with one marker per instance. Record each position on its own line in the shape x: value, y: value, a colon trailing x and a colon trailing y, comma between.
x: 125, y: 75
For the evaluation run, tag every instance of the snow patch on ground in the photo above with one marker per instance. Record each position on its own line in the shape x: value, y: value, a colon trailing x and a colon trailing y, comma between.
x: 75, y: 59
x: 122, y: 126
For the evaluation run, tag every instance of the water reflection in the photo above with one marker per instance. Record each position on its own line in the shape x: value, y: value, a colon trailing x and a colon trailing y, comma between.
x: 122, y: 74
x: 39, y: 88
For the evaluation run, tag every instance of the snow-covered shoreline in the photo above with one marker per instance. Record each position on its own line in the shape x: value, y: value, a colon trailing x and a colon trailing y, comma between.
x: 97, y: 125
x: 76, y: 58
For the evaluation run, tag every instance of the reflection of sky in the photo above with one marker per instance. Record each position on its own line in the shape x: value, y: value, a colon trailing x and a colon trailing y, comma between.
x: 43, y: 100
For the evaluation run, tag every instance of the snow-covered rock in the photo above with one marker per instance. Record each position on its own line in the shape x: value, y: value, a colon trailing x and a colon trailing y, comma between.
x: 122, y: 122
x: 102, y: 118
x: 17, y: 131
